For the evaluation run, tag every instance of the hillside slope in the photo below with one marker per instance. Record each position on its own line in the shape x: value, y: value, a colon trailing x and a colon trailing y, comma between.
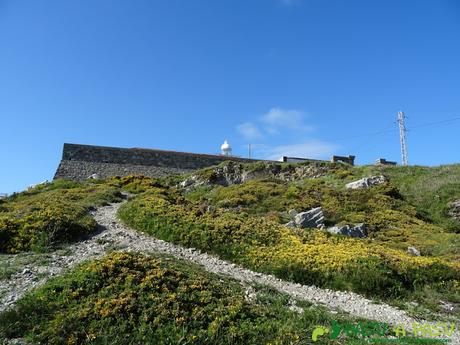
x: 239, y: 213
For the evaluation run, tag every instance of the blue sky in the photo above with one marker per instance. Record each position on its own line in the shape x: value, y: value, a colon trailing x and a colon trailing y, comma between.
x: 291, y: 77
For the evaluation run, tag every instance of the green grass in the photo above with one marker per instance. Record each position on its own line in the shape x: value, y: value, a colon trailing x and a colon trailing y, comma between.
x: 430, y: 190
x: 51, y: 214
x: 6, y: 271
x: 15, y: 263
x: 135, y: 299
x: 243, y: 223
x: 391, y: 218
x: 304, y: 256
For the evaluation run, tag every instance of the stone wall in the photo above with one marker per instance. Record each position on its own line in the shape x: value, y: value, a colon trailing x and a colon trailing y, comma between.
x: 81, y: 161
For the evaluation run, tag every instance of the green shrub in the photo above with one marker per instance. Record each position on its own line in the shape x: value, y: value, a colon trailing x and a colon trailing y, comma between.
x: 133, y: 299
x: 262, y: 244
x: 50, y: 214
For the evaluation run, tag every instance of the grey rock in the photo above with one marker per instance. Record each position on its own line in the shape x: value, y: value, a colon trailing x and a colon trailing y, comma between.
x: 455, y: 210
x: 447, y: 306
x: 357, y: 230
x: 413, y: 251
x: 290, y: 224
x: 17, y: 341
x: 235, y: 173
x: 292, y: 306
x: 189, y: 181
x: 292, y: 213
x: 366, y: 182
x: 310, y: 219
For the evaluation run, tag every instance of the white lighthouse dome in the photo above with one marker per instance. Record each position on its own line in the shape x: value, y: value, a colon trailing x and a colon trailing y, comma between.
x: 225, y: 148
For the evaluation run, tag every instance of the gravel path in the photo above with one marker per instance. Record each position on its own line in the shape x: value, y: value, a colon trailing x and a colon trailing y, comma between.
x: 113, y: 234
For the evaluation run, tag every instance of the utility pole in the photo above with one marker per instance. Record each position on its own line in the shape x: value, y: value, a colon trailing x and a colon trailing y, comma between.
x: 402, y: 137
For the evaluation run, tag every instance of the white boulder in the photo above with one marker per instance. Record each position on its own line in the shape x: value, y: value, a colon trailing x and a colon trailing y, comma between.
x: 357, y: 230
x: 366, y: 182
x: 310, y: 219
x: 413, y: 251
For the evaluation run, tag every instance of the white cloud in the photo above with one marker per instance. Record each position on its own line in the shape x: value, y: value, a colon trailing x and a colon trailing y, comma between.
x: 314, y: 149
x: 277, y: 118
x: 275, y: 121
x: 268, y: 131
x: 249, y: 131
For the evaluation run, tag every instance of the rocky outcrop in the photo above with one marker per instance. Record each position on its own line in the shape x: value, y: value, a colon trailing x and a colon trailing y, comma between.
x: 366, y: 182
x: 235, y: 173
x: 310, y: 219
x: 455, y: 210
x: 357, y: 230
x: 313, y: 218
x: 290, y: 224
x: 413, y: 251
x: 192, y: 182
x: 292, y: 213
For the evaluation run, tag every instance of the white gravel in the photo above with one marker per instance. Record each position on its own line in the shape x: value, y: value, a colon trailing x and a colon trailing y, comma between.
x: 114, y: 233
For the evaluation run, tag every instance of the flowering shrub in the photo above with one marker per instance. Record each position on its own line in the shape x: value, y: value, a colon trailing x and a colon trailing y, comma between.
x: 305, y: 256
x: 50, y: 214
x: 388, y: 217
x: 139, y: 184
x: 134, y: 299
x: 352, y: 264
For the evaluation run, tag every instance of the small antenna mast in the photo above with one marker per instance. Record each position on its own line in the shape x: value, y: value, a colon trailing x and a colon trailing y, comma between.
x: 402, y: 137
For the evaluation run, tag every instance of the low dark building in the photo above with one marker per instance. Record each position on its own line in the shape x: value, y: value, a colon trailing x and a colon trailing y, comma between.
x: 80, y: 162
x: 343, y: 159
x: 383, y: 161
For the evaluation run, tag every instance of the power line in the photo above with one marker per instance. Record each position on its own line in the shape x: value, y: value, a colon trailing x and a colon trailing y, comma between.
x: 384, y: 131
x: 394, y: 129
x: 429, y: 124
x: 365, y: 135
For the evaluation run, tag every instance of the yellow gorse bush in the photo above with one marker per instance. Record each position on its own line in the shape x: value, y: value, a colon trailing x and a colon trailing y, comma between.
x: 49, y: 214
x: 304, y: 255
x: 326, y: 253
x: 130, y: 296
